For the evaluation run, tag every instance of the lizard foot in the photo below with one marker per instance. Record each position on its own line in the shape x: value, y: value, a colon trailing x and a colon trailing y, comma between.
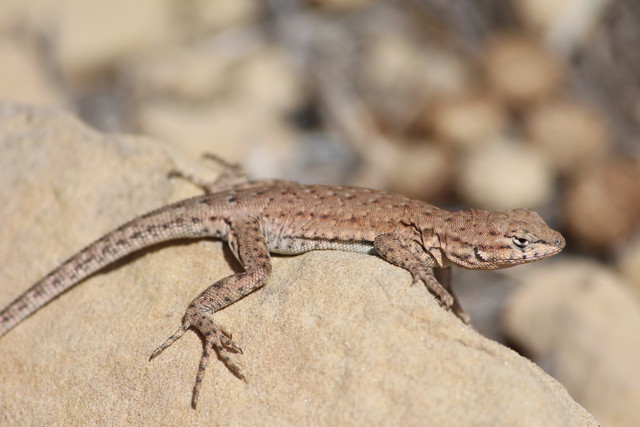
x: 444, y: 298
x: 231, y: 176
x: 215, y: 338
x: 447, y: 300
x: 461, y: 314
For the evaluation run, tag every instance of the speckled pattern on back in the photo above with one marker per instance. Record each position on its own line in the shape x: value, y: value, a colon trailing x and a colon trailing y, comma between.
x: 259, y: 218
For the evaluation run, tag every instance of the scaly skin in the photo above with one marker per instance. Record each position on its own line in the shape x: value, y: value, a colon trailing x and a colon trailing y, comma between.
x: 260, y: 218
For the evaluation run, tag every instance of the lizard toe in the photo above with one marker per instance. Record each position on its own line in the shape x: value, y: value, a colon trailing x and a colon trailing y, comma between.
x: 216, y: 339
x: 445, y: 300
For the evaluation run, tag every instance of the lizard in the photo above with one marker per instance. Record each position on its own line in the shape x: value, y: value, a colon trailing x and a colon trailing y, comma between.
x: 257, y: 218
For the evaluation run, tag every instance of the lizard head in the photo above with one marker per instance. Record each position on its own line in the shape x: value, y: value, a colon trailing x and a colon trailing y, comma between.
x: 488, y: 240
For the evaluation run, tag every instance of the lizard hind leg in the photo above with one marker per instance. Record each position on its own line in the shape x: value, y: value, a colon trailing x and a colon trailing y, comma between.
x: 231, y: 176
x: 215, y: 338
x: 248, y: 244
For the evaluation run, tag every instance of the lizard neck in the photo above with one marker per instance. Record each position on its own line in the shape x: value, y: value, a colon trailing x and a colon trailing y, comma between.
x: 460, y: 233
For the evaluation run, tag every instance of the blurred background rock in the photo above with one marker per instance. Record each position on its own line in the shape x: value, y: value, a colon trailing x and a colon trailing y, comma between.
x: 490, y: 104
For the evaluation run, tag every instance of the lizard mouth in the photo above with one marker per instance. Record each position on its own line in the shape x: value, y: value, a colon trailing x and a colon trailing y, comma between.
x: 519, y: 259
x: 535, y: 256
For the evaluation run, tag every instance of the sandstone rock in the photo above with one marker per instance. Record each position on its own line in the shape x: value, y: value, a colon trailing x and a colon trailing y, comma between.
x: 223, y: 129
x: 469, y: 120
x: 520, y: 69
x: 218, y: 15
x: 22, y: 78
x: 628, y: 262
x: 334, y: 338
x: 504, y: 175
x: 396, y: 72
x: 422, y: 171
x: 391, y: 72
x: 193, y: 73
x: 570, y: 135
x: 564, y: 25
x: 340, y: 5
x: 577, y: 320
x: 92, y: 34
x: 602, y: 204
x: 239, y: 114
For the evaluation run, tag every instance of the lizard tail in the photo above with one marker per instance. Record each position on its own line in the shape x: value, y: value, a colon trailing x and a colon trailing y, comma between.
x: 155, y: 227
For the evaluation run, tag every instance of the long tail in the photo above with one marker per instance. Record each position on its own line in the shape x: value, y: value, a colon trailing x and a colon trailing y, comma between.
x: 155, y: 227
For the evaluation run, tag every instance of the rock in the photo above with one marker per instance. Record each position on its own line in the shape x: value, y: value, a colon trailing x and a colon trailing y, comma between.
x: 391, y: 74
x: 334, y: 338
x: 22, y: 78
x: 87, y: 42
x: 468, y: 120
x: 570, y: 135
x: 395, y: 72
x: 505, y: 175
x: 423, y: 171
x: 340, y: 5
x: 268, y: 143
x: 193, y: 73
x: 564, y: 25
x: 520, y: 69
x: 269, y: 81
x: 87, y: 39
x: 628, y: 263
x: 602, y: 204
x: 578, y: 321
x: 219, y: 15
x: 259, y: 89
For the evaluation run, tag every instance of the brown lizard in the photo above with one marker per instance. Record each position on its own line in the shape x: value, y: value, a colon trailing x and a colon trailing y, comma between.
x: 282, y: 217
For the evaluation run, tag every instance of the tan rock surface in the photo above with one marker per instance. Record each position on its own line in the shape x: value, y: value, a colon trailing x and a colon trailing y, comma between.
x: 601, y: 206
x: 628, y: 263
x: 240, y: 110
x: 335, y: 338
x: 468, y: 121
x: 86, y: 41
x: 487, y: 174
x: 570, y: 135
x: 578, y: 320
x: 22, y: 78
x: 521, y: 69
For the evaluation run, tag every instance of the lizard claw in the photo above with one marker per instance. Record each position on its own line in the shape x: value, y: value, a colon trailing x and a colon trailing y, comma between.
x: 215, y: 337
x: 466, y: 319
x: 219, y: 340
x: 173, y: 338
x: 415, y: 278
x: 228, y: 344
x: 445, y: 300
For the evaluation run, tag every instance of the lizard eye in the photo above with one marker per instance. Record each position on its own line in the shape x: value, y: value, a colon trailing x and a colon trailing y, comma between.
x: 520, y: 242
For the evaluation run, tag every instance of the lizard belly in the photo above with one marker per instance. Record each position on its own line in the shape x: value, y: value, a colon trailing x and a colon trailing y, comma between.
x: 294, y: 246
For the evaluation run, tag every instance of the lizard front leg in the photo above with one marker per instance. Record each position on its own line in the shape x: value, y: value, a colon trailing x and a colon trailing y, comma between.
x: 411, y: 256
x: 248, y: 244
x: 443, y: 276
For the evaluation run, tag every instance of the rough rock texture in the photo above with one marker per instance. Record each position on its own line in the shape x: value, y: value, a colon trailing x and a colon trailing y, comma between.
x: 584, y: 333
x: 335, y: 338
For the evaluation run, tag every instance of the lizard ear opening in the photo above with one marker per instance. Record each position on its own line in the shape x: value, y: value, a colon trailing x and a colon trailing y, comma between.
x: 479, y: 255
